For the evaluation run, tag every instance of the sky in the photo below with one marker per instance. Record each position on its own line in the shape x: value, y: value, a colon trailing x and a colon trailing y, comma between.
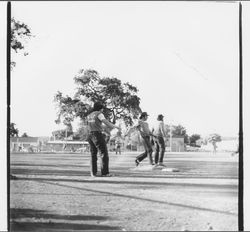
x: 182, y: 56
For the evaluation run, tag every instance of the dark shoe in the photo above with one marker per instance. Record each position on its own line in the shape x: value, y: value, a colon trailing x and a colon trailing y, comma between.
x: 93, y: 175
x: 161, y: 165
x: 107, y: 175
x: 137, y: 163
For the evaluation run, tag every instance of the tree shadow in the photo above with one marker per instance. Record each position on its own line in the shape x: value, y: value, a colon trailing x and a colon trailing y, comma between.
x: 21, y: 221
x: 189, y: 169
x: 52, y: 172
x: 18, y: 213
x: 57, y: 226
x: 48, y: 165
x: 137, y: 184
x: 140, y: 198
x: 125, y: 172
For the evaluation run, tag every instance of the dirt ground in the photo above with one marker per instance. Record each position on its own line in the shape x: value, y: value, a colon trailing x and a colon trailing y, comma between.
x: 54, y: 192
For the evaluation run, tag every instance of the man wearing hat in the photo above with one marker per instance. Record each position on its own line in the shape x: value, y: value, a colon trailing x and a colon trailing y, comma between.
x: 145, y: 133
x: 96, y: 139
x: 159, y: 133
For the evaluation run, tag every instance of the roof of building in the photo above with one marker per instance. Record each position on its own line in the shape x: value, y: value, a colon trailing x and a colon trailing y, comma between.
x: 24, y: 139
x: 67, y: 142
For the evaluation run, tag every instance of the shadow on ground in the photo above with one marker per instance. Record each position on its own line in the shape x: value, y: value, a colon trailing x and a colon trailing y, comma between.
x: 136, y: 184
x: 50, y: 227
x: 21, y: 221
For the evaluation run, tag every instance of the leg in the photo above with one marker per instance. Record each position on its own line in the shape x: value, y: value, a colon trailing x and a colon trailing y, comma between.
x: 101, y: 145
x: 156, y: 154
x: 141, y: 156
x: 93, y: 157
x: 162, y: 149
x: 149, y: 150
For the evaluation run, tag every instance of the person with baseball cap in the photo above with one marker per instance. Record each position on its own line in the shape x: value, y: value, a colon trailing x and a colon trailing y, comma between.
x: 145, y: 133
x: 159, y: 133
x: 96, y: 139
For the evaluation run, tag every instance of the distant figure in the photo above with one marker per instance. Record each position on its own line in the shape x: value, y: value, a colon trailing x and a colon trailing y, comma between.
x: 160, y: 134
x: 214, y: 147
x: 97, y: 141
x: 118, y: 145
x: 64, y: 146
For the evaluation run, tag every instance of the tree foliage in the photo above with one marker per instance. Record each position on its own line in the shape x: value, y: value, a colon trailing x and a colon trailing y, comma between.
x: 62, y: 134
x: 13, y: 131
x: 24, y: 135
x: 20, y: 32
x: 214, y: 138
x: 82, y: 132
x: 120, y: 99
x: 193, y: 138
x: 179, y: 130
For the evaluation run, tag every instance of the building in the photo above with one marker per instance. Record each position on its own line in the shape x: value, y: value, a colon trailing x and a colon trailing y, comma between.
x: 177, y: 144
x: 68, y: 145
x: 26, y: 144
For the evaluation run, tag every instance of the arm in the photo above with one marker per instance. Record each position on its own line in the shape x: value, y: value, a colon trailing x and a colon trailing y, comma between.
x: 142, y: 132
x: 163, y: 130
x: 131, y: 129
x: 109, y: 124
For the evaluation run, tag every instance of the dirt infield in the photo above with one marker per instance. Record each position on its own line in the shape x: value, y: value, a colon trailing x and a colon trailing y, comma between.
x: 54, y: 192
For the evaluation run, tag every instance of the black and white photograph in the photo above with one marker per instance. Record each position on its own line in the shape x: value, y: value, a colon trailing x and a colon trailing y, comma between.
x: 124, y: 115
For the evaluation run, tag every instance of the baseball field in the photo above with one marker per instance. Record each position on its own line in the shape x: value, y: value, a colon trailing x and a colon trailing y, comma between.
x: 54, y: 192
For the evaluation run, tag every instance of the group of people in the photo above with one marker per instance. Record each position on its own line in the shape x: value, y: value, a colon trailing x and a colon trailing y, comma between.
x: 98, y: 134
x: 155, y: 137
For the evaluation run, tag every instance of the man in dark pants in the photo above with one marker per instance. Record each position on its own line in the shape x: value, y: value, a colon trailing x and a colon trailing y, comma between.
x: 160, y: 134
x: 145, y: 133
x: 97, y: 141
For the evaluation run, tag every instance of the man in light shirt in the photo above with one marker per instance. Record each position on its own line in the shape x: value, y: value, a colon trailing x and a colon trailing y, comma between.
x: 96, y: 139
x: 160, y: 133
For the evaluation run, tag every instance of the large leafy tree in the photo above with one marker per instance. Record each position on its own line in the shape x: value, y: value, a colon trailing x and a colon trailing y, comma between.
x: 120, y: 99
x: 20, y: 32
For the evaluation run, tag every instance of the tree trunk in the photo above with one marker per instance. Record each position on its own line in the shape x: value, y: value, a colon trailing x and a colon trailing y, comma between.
x: 114, y: 118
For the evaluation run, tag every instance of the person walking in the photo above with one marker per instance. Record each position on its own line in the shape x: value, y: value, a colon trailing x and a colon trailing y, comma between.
x: 118, y: 145
x: 96, y: 139
x: 145, y: 133
x: 160, y: 133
